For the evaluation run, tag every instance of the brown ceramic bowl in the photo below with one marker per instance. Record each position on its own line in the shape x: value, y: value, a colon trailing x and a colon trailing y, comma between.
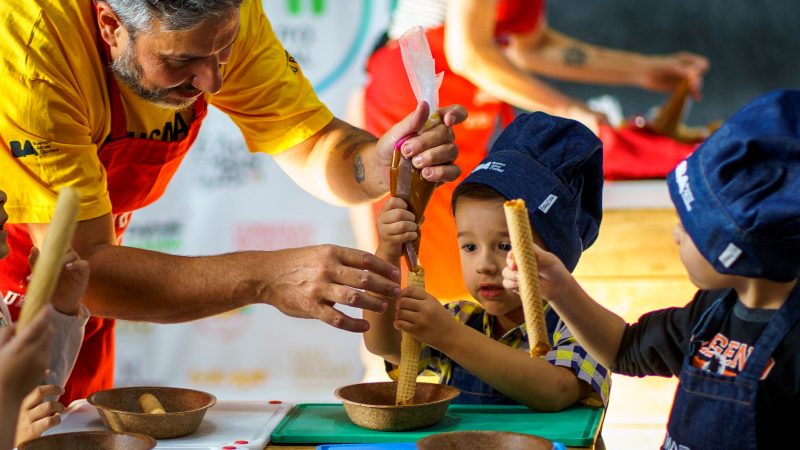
x: 479, y: 440
x: 119, y: 408
x: 371, y: 405
x: 91, y: 440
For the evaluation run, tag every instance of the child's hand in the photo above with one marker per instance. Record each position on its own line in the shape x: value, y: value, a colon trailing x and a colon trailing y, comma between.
x: 71, y: 284
x: 553, y: 276
x: 24, y: 357
x: 37, y: 415
x: 396, y: 226
x: 421, y: 315
x: 510, y: 274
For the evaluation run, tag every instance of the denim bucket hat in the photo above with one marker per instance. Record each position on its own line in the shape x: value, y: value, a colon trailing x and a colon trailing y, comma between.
x: 556, y: 166
x: 738, y: 194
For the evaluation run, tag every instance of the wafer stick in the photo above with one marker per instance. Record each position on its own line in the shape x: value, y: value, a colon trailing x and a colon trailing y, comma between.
x: 409, y: 352
x: 519, y: 228
x: 48, y: 266
x: 150, y: 404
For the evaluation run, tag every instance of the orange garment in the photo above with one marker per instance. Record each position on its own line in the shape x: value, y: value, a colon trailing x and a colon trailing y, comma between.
x: 389, y: 98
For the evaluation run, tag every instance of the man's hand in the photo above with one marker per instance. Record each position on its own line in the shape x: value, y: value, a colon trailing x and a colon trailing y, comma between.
x: 38, y: 415
x: 421, y: 315
x: 307, y: 283
x: 664, y: 73
x: 433, y: 150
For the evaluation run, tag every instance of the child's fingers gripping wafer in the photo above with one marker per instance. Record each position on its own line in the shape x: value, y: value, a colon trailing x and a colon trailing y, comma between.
x: 519, y: 228
x: 409, y: 352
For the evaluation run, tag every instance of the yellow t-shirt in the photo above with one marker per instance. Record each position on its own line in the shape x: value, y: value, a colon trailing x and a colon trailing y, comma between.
x: 55, y: 110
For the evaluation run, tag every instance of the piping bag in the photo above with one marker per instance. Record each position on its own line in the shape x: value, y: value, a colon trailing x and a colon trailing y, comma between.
x: 405, y: 180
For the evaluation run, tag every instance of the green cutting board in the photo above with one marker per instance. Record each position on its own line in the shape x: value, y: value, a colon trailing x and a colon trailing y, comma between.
x: 327, y: 423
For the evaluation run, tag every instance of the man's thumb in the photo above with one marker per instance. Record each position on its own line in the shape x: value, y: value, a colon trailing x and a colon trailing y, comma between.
x: 412, y: 123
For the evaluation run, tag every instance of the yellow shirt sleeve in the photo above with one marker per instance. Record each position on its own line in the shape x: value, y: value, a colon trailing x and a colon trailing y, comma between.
x: 48, y: 135
x: 264, y: 90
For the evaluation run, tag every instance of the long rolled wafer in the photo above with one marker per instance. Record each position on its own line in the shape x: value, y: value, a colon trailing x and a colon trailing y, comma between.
x: 519, y: 229
x: 48, y: 266
x: 409, y: 352
x: 150, y: 404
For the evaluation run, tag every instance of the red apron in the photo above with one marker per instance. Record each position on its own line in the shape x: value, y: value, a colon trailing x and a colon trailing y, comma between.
x: 389, y: 98
x: 631, y: 152
x: 138, y: 171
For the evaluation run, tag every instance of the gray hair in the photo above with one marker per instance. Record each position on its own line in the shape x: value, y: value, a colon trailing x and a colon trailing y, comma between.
x: 137, y: 15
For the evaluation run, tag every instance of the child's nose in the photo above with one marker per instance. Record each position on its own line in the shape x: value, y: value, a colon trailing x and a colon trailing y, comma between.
x: 487, y: 267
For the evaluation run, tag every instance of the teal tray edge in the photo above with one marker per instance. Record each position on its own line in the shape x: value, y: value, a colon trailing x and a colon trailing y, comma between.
x: 280, y: 436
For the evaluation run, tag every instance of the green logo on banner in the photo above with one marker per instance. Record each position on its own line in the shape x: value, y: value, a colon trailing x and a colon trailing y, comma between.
x: 295, y: 7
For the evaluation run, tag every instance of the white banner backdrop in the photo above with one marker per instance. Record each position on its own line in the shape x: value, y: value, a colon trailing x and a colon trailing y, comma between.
x: 225, y: 199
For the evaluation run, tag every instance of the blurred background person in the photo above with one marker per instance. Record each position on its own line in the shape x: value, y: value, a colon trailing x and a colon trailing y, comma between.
x: 492, y: 53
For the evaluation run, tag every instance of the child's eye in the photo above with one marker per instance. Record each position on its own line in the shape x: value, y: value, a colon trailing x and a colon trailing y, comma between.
x: 468, y: 247
x: 505, y: 246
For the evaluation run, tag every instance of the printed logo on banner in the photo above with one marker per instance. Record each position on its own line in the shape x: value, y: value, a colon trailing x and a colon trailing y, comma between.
x: 220, y: 160
x: 312, y: 31
x: 272, y: 235
x: 237, y: 378
x: 313, y: 367
x: 134, y: 372
x: 226, y: 326
x: 157, y: 236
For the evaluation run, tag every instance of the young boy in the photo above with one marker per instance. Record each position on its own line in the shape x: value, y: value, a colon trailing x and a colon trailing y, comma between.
x: 554, y: 164
x: 39, y: 410
x: 735, y: 345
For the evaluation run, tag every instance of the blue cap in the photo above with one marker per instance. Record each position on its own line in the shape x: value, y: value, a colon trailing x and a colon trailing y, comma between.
x: 556, y: 166
x: 738, y: 194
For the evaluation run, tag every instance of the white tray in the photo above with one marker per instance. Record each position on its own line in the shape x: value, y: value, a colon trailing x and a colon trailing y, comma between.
x: 224, y: 424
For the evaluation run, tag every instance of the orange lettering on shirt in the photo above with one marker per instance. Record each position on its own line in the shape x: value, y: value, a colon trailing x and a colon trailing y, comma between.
x: 729, y: 352
x: 740, y: 359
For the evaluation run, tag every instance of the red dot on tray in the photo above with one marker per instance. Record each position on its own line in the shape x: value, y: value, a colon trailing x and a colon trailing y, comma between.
x: 229, y: 447
x: 241, y: 442
x: 275, y: 402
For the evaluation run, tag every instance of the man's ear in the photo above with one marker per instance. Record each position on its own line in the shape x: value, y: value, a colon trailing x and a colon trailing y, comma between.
x: 111, y: 29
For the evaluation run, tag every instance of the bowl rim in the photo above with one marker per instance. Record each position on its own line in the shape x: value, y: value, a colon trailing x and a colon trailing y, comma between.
x: 440, y: 435
x: 149, y: 439
x: 453, y: 392
x: 91, y: 400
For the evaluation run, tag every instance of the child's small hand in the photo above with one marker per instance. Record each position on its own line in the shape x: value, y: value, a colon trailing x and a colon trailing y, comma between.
x: 37, y: 415
x: 553, y: 275
x: 421, y: 315
x: 71, y: 284
x: 396, y: 226
x: 24, y: 357
x: 510, y: 274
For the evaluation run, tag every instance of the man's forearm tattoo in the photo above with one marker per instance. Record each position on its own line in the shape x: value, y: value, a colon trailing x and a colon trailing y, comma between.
x: 574, y: 56
x: 358, y: 169
x: 352, y: 143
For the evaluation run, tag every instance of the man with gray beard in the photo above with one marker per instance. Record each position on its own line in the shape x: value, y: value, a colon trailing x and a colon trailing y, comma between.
x: 108, y: 96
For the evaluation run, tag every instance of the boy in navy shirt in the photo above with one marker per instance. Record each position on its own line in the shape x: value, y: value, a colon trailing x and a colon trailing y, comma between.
x: 735, y: 346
